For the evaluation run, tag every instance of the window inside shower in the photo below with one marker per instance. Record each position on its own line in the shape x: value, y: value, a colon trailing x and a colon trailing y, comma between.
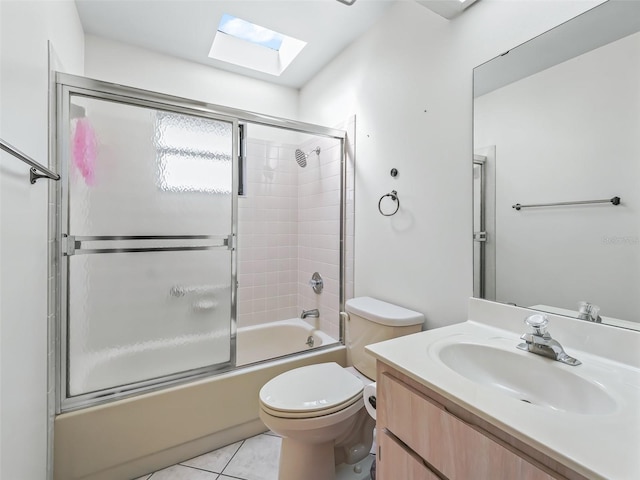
x: 188, y: 241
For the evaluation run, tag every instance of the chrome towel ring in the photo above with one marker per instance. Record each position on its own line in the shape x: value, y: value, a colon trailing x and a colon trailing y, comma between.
x: 394, y: 197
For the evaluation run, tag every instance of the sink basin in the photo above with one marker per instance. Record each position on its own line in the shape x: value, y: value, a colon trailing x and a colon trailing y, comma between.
x: 527, y: 377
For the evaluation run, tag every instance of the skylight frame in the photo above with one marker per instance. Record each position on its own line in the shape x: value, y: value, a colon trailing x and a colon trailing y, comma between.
x: 253, y: 53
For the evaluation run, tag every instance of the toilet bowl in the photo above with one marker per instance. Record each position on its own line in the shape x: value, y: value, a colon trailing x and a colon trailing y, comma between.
x: 318, y: 410
x: 319, y: 413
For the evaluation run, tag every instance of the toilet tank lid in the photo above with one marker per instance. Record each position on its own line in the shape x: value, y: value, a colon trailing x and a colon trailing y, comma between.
x: 383, y: 313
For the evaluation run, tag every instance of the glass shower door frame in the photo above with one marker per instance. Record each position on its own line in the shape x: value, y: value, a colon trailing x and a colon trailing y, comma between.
x: 479, y: 228
x: 67, y: 86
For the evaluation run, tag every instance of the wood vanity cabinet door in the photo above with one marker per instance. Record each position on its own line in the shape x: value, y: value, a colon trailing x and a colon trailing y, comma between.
x: 395, y: 462
x: 452, y: 447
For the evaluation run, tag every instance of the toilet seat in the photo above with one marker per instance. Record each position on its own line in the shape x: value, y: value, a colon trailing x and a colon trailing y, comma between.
x: 311, y: 391
x: 313, y: 414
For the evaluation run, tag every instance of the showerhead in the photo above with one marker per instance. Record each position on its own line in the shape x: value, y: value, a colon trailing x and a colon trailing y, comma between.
x: 301, y: 157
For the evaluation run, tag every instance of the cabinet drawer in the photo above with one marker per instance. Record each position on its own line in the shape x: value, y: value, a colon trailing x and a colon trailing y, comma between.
x: 454, y: 448
x: 396, y: 462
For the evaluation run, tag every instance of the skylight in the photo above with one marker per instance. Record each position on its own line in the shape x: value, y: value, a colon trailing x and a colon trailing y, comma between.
x: 248, y: 45
x: 250, y: 32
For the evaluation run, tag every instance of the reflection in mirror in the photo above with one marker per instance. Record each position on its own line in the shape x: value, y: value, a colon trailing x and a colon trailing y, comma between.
x: 557, y: 120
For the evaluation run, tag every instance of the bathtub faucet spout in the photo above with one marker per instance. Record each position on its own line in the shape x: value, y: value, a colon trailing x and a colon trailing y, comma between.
x: 315, y: 313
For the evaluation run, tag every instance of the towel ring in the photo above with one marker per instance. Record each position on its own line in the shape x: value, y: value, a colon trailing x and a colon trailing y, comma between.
x: 394, y: 197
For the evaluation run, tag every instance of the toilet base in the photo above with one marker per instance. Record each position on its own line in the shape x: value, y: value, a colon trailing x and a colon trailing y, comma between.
x: 321, y: 457
x: 359, y: 471
x: 316, y: 460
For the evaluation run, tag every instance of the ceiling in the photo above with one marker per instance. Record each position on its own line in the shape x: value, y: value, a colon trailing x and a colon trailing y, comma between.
x: 185, y: 28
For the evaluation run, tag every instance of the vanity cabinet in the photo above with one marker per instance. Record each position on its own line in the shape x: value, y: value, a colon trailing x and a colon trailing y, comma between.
x: 422, y: 435
x: 400, y: 462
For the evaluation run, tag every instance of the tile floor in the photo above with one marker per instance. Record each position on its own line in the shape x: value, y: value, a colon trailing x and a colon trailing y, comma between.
x: 255, y: 458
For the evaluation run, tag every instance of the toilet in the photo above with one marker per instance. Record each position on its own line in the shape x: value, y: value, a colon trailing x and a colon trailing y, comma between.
x: 318, y: 410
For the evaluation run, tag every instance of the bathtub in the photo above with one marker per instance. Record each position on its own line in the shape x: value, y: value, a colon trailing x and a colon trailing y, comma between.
x: 277, y: 339
x: 130, y: 437
x: 101, y: 369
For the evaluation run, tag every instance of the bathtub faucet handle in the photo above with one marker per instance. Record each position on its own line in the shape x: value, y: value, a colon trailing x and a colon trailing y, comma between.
x: 316, y: 282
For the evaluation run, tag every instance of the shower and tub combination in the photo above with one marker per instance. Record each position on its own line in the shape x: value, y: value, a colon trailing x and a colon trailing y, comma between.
x: 191, y: 237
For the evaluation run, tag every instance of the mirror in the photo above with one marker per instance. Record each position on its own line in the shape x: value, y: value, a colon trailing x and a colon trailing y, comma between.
x: 557, y: 133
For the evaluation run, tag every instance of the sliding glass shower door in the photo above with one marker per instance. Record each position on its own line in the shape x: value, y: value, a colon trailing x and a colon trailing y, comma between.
x: 149, y: 199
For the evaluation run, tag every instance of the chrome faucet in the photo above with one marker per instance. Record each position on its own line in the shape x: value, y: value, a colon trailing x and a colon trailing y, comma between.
x: 540, y: 342
x: 315, y: 313
x: 589, y: 312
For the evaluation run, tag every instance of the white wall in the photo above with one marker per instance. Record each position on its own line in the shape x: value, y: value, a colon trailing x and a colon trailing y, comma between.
x: 25, y: 28
x: 569, y: 133
x: 136, y: 67
x: 409, y: 83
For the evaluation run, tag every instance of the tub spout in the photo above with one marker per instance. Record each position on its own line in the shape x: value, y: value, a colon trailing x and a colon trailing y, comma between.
x: 315, y: 313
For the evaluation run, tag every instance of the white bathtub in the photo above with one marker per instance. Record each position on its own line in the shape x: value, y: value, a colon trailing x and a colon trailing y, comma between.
x: 277, y: 339
x: 130, y: 437
x: 156, y: 358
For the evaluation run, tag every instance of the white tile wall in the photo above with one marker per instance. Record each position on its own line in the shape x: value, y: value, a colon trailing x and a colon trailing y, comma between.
x: 319, y: 229
x: 268, y: 235
x: 289, y: 228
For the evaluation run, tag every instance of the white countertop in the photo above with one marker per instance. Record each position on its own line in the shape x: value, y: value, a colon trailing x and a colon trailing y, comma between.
x: 599, y: 446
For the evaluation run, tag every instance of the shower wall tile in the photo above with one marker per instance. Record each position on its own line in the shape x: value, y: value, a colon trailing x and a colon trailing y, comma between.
x: 318, y: 237
x: 267, y: 226
x: 289, y: 224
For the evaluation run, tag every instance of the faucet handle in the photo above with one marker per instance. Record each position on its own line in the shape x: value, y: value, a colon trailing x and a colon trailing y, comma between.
x: 538, y: 322
x: 588, y: 311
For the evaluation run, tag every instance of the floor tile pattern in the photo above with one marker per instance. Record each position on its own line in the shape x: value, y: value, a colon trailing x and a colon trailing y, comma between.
x: 255, y: 458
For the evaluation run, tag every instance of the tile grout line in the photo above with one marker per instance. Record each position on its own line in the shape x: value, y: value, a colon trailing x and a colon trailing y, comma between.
x: 232, y: 477
x: 210, y: 471
x: 196, y: 468
x: 221, y: 473
x: 232, y: 457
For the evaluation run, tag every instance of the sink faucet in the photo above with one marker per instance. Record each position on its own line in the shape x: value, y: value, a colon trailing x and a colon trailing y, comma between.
x: 540, y: 342
x: 315, y: 313
x: 589, y: 312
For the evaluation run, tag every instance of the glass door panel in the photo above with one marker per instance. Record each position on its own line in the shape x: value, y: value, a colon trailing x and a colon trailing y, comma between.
x: 148, y: 225
x: 139, y: 316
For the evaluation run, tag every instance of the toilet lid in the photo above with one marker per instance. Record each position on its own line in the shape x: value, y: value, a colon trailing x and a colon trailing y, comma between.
x: 310, y: 389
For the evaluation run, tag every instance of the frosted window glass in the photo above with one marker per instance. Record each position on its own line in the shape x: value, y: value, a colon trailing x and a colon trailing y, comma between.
x: 192, y: 154
x: 140, y: 171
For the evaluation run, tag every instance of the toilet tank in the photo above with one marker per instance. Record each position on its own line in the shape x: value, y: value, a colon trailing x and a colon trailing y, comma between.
x: 372, y: 321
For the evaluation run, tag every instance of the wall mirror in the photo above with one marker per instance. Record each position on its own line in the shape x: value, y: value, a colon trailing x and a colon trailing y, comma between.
x: 557, y: 132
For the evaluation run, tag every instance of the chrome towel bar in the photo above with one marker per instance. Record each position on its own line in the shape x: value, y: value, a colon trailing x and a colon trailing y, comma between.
x: 75, y: 245
x: 614, y: 201
x: 35, y: 166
